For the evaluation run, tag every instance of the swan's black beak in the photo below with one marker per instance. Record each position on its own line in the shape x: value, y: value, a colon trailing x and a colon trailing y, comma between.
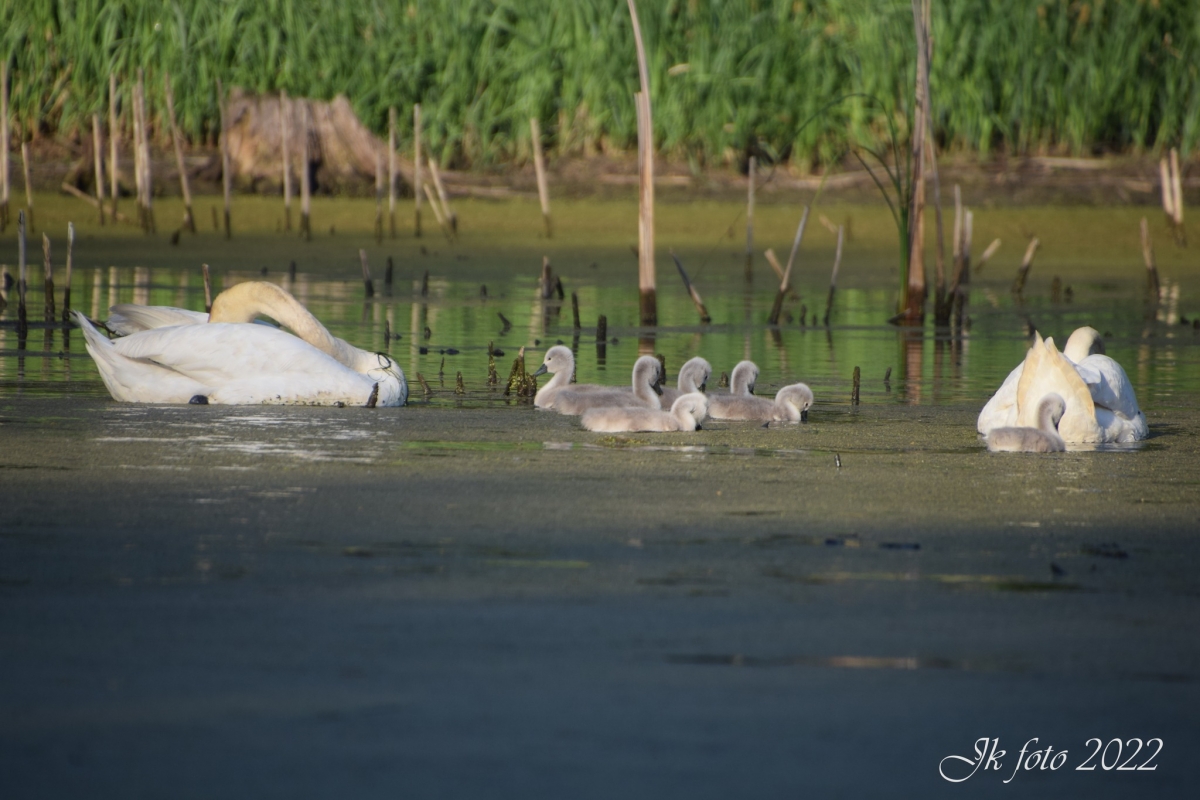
x: 751, y: 388
x: 704, y: 386
x: 657, y: 386
x: 699, y: 427
x: 540, y: 371
x: 804, y: 415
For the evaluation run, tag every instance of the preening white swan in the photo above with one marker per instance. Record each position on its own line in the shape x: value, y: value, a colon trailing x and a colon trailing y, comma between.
x: 693, y: 376
x: 791, y: 404
x: 646, y: 383
x: 225, y: 361
x: 1042, y: 439
x: 685, y: 415
x: 1101, y: 404
x: 560, y: 362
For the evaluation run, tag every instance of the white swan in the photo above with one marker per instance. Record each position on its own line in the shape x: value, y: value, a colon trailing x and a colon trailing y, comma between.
x: 227, y: 362
x: 791, y: 404
x: 126, y: 318
x: 1042, y: 439
x: 1106, y: 410
x: 686, y: 413
x: 693, y: 377
x: 646, y: 384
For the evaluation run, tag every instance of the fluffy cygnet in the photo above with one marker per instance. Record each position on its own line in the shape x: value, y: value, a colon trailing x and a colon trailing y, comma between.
x: 791, y: 404
x: 647, y: 380
x: 685, y: 415
x: 693, y: 377
x: 1042, y: 439
x: 741, y: 384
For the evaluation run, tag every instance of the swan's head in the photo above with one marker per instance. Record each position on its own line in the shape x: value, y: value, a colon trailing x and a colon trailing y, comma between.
x: 691, y: 408
x: 381, y: 368
x: 648, y: 371
x: 1050, y: 411
x: 694, y: 375
x: 558, y: 359
x: 1084, y: 342
x: 745, y: 375
x: 796, y: 400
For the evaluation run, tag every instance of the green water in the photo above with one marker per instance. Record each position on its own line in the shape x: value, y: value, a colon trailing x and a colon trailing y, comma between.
x: 1094, y: 253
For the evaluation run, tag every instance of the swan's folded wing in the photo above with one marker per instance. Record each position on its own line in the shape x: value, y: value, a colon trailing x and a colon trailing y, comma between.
x: 1001, y: 410
x: 1048, y: 371
x: 1109, y: 385
x: 218, y: 353
x: 127, y: 318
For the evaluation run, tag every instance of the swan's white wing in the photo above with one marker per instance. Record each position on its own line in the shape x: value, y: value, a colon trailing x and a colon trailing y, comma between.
x: 132, y: 381
x: 1109, y: 385
x: 1049, y: 371
x: 127, y: 318
x: 1001, y: 410
x: 248, y: 364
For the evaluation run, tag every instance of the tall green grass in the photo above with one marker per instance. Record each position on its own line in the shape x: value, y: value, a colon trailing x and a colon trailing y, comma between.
x: 1020, y: 76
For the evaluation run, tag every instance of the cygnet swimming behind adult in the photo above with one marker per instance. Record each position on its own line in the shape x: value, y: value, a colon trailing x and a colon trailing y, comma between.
x: 791, y: 404
x: 647, y: 384
x: 685, y: 415
x: 693, y: 377
x: 741, y: 384
x: 1042, y: 439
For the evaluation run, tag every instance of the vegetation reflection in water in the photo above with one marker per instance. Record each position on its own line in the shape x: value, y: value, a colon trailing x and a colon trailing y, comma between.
x: 927, y: 366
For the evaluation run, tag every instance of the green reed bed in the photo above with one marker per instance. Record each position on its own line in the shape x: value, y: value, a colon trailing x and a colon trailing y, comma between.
x: 791, y: 79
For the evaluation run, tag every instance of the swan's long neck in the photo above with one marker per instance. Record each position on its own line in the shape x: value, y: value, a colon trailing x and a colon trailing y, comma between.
x: 645, y: 375
x: 1083, y: 343
x: 1050, y: 410
x: 741, y: 383
x: 245, y: 302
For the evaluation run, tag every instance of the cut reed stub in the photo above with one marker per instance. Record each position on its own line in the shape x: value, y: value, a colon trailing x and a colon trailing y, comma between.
x: 854, y: 392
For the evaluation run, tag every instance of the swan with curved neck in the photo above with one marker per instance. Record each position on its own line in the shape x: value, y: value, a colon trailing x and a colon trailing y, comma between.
x: 686, y: 413
x: 1100, y: 400
x: 741, y: 385
x: 693, y: 377
x: 1044, y: 438
x: 220, y: 359
x: 791, y: 404
x: 646, y: 384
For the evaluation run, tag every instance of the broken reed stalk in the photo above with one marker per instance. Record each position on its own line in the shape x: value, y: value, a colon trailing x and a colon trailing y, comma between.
x: 5, y: 182
x: 98, y: 164
x: 378, y: 197
x: 114, y: 135
x: 1152, y: 284
x: 987, y: 255
x: 1026, y: 263
x: 1176, y: 189
x: 305, y: 176
x: 784, y: 283
x: 437, y: 212
x: 285, y: 125
x: 226, y: 170
x: 691, y: 290
x: 22, y: 282
x: 424, y: 385
x: 774, y: 262
x: 926, y: 25
x: 147, y: 172
x: 458, y: 384
x: 189, y: 219
x: 575, y: 309
x: 387, y: 277
x: 28, y: 185
x: 914, y: 289
x: 837, y: 262
x: 546, y: 282
x: 854, y: 391
x: 368, y: 284
x: 66, y: 312
x: 539, y: 166
x: 443, y: 199
x: 48, y: 268
x: 493, y: 377
x: 135, y: 122
x: 425, y: 284
x: 417, y: 183
x: 392, y: 172
x: 750, y: 170
x: 207, y: 287
x: 93, y: 202
x: 647, y: 287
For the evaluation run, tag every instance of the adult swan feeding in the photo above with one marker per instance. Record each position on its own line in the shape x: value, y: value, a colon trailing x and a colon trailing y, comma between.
x: 223, y: 360
x: 1100, y: 403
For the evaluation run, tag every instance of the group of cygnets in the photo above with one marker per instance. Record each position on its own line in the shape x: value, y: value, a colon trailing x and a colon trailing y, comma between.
x: 649, y: 406
x: 172, y: 355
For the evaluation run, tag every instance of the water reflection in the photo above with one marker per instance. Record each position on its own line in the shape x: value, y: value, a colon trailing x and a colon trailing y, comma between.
x: 451, y: 321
